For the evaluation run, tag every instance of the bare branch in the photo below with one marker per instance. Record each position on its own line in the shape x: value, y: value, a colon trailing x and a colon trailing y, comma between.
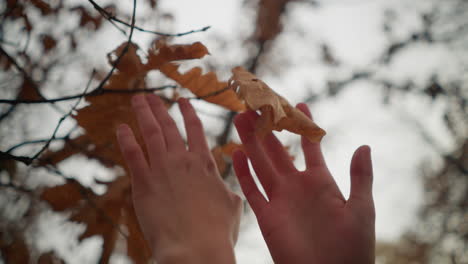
x: 21, y: 70
x: 7, y: 112
x: 16, y: 187
x: 63, y: 119
x: 95, y: 92
x: 111, y: 18
x: 23, y: 159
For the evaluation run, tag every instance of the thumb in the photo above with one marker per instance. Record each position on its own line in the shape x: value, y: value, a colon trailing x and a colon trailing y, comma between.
x: 361, y: 175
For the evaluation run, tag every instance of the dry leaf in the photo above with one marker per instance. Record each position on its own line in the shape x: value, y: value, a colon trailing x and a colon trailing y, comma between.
x: 206, y: 86
x: 276, y: 112
x: 222, y: 155
x: 64, y: 196
x: 14, y: 249
x: 102, y: 214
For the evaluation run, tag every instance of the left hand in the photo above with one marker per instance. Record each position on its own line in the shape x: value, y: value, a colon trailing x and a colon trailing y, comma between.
x: 185, y: 210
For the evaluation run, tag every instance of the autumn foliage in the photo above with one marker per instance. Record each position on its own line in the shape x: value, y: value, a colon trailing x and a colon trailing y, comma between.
x: 111, y: 215
x: 33, y: 62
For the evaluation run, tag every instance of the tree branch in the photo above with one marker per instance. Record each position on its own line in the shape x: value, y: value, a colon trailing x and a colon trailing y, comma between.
x: 110, y: 17
x: 95, y: 92
x: 21, y: 70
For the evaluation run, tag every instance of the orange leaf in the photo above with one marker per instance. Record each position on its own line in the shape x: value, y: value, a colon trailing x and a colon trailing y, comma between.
x: 206, y: 86
x: 101, y: 214
x: 64, y: 196
x: 161, y: 53
x: 15, y: 251
x: 222, y: 154
x: 276, y: 112
x: 229, y: 148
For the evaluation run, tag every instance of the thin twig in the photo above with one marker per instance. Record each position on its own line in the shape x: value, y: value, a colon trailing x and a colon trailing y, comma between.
x: 36, y: 141
x: 7, y: 112
x: 8, y: 156
x: 21, y: 70
x: 112, y: 17
x: 46, y: 145
x: 95, y: 92
x: 16, y: 187
x: 29, y: 160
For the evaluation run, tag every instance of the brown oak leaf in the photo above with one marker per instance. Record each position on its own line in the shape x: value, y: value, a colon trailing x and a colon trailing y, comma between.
x: 276, y: 112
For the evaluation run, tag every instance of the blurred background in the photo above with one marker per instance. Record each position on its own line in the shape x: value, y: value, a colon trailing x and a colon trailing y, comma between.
x: 389, y: 74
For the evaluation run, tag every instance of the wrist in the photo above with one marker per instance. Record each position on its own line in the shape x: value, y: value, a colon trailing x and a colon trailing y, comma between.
x: 200, y: 253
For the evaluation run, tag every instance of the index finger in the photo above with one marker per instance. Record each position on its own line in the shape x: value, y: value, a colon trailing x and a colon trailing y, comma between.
x: 195, y: 134
x: 312, y: 151
x: 260, y: 160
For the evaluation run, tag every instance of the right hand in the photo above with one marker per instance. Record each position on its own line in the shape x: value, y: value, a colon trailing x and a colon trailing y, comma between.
x: 306, y: 218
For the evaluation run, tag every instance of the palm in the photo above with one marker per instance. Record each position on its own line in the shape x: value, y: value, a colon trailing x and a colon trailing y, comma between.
x: 306, y: 217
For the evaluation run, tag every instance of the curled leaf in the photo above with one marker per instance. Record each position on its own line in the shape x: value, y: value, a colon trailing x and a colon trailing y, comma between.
x: 276, y: 113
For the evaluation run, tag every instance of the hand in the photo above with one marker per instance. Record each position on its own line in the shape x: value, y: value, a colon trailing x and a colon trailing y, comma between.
x: 306, y: 218
x: 184, y: 209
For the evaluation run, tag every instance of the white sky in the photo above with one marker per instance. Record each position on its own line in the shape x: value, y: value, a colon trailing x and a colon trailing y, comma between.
x: 353, y: 29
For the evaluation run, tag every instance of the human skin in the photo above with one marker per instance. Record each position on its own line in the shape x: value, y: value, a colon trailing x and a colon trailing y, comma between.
x: 185, y: 210
x: 306, y: 219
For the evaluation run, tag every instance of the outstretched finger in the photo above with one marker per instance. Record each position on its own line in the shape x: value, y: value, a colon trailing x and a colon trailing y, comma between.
x: 195, y: 134
x: 133, y: 156
x: 150, y: 130
x: 361, y: 175
x: 312, y: 151
x: 274, y: 149
x: 247, y: 183
x: 172, y: 136
x: 254, y: 150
